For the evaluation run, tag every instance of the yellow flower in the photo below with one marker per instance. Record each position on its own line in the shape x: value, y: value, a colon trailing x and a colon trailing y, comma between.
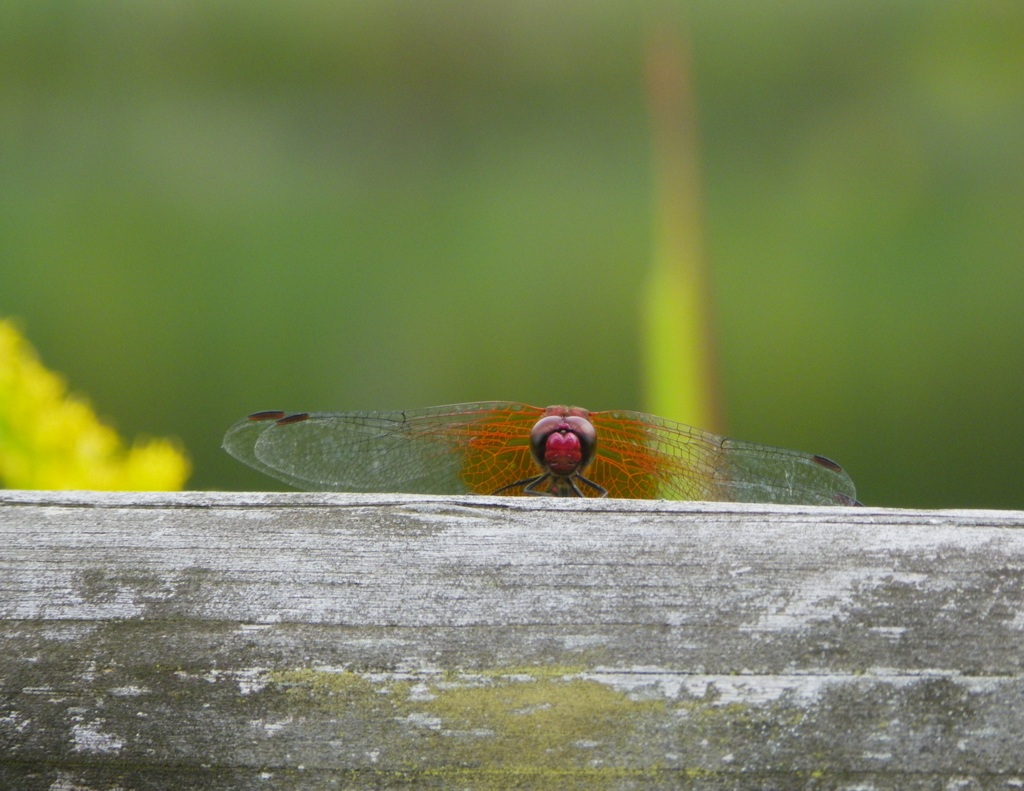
x: 51, y: 440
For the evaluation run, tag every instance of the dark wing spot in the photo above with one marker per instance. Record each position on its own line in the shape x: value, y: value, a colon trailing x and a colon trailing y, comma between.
x: 298, y: 418
x: 268, y: 415
x: 828, y: 464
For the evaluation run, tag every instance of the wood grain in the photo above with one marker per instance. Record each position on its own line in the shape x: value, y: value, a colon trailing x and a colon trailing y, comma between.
x: 253, y: 640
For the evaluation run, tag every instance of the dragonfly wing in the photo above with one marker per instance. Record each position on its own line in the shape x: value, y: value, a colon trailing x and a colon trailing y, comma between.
x: 641, y: 455
x: 240, y: 441
x: 440, y: 450
x: 761, y: 474
x: 347, y: 452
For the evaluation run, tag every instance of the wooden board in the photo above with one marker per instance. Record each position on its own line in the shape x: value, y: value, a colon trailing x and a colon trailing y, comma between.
x: 212, y: 640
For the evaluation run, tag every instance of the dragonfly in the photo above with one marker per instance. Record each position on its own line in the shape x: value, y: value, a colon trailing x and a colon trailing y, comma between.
x: 508, y: 448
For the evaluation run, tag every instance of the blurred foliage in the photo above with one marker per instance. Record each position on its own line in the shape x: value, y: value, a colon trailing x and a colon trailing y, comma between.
x: 213, y: 208
x: 51, y: 441
x: 677, y: 304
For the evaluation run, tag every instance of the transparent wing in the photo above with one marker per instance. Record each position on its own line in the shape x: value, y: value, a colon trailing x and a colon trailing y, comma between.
x: 455, y: 449
x: 642, y: 455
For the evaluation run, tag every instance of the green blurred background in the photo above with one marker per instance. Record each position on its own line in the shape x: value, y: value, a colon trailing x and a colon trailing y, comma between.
x: 212, y: 208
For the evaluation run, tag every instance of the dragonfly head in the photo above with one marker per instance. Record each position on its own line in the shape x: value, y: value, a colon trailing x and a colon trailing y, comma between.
x: 563, y: 443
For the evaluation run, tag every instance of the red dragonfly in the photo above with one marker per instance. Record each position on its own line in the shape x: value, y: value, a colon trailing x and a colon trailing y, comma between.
x: 497, y: 447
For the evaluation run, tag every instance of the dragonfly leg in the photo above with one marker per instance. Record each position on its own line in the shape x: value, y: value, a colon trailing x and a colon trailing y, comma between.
x: 601, y: 491
x: 533, y: 483
x: 526, y: 483
x: 558, y: 486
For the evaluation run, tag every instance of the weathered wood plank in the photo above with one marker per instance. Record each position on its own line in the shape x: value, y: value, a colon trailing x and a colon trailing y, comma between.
x: 308, y: 640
